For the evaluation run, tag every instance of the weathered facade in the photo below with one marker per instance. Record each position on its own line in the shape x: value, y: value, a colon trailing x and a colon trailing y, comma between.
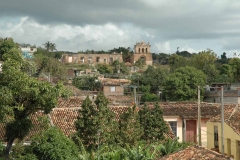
x: 142, y: 51
x: 113, y: 86
x: 92, y: 58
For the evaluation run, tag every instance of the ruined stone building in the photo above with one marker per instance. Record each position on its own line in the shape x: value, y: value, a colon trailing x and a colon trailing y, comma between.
x: 142, y: 51
x: 92, y: 58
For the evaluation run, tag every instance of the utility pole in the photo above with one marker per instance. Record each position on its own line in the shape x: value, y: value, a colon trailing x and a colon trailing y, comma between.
x: 199, y: 119
x: 222, y: 120
x: 135, y: 95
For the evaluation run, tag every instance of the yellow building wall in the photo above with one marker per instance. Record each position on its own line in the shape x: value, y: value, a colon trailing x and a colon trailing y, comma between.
x: 203, y: 132
x: 228, y: 134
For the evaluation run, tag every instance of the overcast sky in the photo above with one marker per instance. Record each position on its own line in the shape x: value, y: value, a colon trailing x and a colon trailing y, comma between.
x: 78, y: 25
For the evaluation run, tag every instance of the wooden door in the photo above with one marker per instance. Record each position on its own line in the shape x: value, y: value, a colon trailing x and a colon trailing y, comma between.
x: 191, y: 130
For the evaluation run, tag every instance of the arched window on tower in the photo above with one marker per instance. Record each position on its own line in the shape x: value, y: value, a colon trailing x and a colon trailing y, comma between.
x: 139, y: 50
x: 142, y: 50
x: 146, y: 50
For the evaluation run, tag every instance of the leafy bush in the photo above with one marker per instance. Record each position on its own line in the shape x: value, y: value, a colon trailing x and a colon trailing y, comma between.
x: 170, y: 146
x: 52, y: 144
x: 149, y: 97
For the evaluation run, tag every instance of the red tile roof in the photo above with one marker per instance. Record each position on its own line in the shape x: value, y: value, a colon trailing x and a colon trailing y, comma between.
x: 231, y: 117
x: 190, y: 110
x: 65, y: 117
x: 70, y: 102
x: 195, y: 153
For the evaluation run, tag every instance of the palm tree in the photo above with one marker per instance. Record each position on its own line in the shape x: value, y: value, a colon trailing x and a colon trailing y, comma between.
x: 50, y: 46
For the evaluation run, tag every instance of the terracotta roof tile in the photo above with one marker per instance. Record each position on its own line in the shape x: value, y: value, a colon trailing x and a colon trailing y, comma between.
x: 70, y: 102
x: 190, y: 110
x: 65, y: 118
x: 195, y: 153
x: 231, y: 117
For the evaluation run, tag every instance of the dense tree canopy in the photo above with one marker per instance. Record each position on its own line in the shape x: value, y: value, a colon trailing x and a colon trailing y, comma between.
x: 95, y: 123
x: 204, y: 61
x: 153, y: 77
x: 182, y: 84
x: 87, y: 83
x: 22, y: 95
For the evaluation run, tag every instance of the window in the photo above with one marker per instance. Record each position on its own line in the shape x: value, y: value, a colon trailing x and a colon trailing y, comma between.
x: 173, y: 125
x: 113, y: 89
x: 82, y: 59
x: 111, y: 60
x: 237, y: 150
x: 229, y: 147
x: 69, y: 59
x: 142, y: 50
x: 216, y: 144
x: 97, y: 59
x: 89, y: 60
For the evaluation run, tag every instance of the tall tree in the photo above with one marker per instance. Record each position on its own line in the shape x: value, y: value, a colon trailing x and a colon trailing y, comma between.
x: 50, y: 65
x: 22, y: 95
x: 182, y: 84
x: 204, y: 61
x: 154, y: 77
x: 235, y: 68
x: 94, y: 124
x: 153, y: 124
x: 176, y: 61
x: 50, y: 46
x: 6, y: 45
x: 130, y: 130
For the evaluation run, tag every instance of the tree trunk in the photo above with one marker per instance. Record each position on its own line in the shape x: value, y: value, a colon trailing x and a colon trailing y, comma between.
x: 8, y: 148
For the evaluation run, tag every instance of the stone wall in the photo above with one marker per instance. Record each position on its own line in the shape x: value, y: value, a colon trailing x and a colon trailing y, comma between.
x: 92, y: 58
x: 108, y: 90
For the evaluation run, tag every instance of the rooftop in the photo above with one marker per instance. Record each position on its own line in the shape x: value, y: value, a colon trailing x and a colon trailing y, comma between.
x: 190, y: 109
x: 231, y: 118
x: 195, y: 153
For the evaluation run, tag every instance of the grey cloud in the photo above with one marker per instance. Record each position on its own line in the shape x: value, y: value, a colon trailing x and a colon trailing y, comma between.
x: 167, y: 20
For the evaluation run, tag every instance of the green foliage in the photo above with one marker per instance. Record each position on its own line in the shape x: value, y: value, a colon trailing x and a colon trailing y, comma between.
x: 130, y: 130
x: 204, y: 61
x: 5, y: 46
x: 21, y: 152
x: 21, y: 95
x: 153, y: 77
x: 87, y: 83
x: 161, y: 58
x: 184, y: 54
x: 50, y: 46
x: 95, y: 123
x: 51, y: 65
x: 176, y: 61
x: 140, y: 63
x: 120, y: 68
x: 234, y: 69
x: 153, y: 124
x: 103, y: 68
x: 126, y: 52
x: 182, y: 84
x: 171, y: 146
x: 149, y: 97
x: 53, y: 144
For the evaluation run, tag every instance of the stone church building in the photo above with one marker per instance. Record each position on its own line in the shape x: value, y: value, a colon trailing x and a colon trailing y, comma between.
x: 141, y: 51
